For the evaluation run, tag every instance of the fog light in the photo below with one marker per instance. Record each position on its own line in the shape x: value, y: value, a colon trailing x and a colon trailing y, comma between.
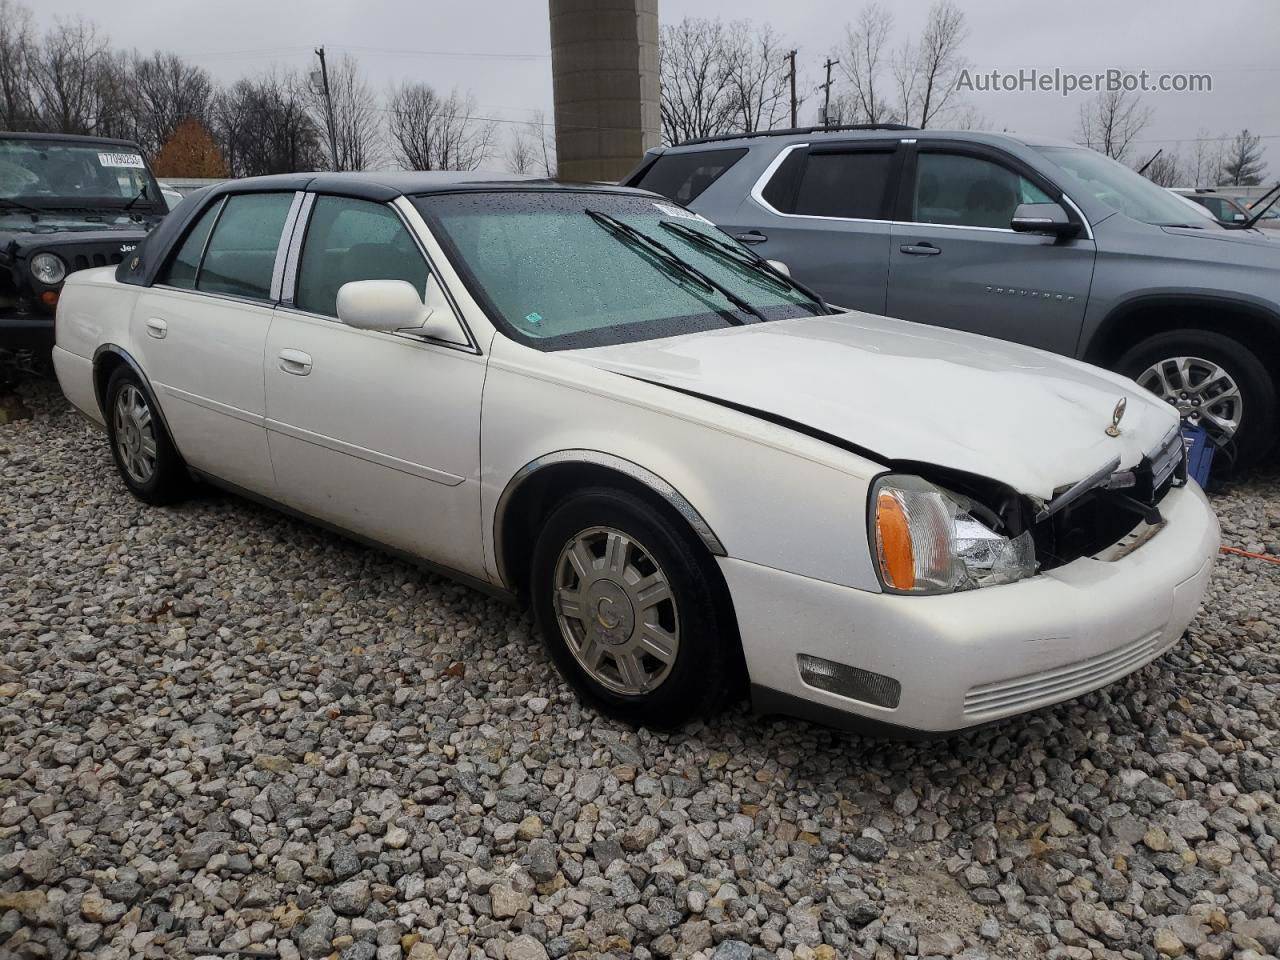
x: 853, y: 682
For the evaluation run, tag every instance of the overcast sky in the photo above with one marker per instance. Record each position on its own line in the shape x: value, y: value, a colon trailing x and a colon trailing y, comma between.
x: 500, y: 50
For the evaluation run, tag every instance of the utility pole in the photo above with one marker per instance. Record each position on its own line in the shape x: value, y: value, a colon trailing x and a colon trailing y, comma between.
x: 826, y: 94
x: 791, y: 58
x: 328, y: 106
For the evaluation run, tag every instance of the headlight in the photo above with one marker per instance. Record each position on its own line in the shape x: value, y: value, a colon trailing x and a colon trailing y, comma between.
x: 927, y: 541
x: 48, y: 268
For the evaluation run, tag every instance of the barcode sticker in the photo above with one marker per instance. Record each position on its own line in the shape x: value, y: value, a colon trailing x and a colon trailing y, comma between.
x: 132, y: 160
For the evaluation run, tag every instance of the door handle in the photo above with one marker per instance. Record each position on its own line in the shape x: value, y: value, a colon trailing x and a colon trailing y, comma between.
x: 157, y: 328
x: 751, y: 236
x: 295, y: 362
x: 924, y: 249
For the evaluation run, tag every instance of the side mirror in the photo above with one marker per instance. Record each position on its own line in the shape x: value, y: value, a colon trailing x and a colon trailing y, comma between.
x: 393, y: 306
x: 781, y: 267
x: 385, y: 305
x: 1043, y: 218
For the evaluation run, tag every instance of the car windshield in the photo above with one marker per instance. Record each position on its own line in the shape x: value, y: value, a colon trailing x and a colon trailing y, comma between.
x: 38, y: 174
x: 565, y: 269
x: 1120, y: 188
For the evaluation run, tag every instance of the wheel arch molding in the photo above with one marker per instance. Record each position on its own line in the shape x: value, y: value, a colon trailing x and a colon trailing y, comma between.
x: 106, y: 358
x: 1139, y: 317
x: 509, y: 534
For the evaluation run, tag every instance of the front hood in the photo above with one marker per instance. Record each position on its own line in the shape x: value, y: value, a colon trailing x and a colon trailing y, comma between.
x: 1238, y: 246
x: 909, y: 392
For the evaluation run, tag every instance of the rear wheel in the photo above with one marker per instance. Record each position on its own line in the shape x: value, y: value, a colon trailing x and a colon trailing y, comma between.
x: 627, y: 604
x: 1214, y: 382
x: 145, y: 456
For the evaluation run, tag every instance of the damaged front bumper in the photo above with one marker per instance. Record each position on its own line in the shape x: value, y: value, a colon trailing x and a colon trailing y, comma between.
x: 964, y: 659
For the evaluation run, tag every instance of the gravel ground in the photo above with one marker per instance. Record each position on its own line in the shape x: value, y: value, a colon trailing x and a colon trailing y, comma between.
x: 226, y: 731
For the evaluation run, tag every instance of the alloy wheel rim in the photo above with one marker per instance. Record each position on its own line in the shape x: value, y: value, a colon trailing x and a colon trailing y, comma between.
x: 1202, y: 392
x: 135, y: 438
x: 616, y: 611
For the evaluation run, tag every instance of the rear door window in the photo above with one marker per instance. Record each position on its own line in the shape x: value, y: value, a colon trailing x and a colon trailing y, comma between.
x: 242, y: 251
x: 684, y: 176
x: 186, y: 262
x: 849, y: 184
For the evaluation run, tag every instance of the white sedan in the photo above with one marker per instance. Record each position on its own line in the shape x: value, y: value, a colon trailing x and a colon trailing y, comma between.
x: 698, y: 474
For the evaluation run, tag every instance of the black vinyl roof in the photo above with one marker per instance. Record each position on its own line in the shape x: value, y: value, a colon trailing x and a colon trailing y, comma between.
x: 143, y: 267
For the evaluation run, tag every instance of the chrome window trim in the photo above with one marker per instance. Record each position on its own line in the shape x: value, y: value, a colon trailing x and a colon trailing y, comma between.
x: 757, y: 194
x: 294, y: 267
x: 282, y: 247
x: 229, y: 297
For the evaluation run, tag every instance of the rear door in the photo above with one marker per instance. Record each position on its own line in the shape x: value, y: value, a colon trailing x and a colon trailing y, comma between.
x: 200, y: 332
x: 823, y: 210
x: 955, y: 261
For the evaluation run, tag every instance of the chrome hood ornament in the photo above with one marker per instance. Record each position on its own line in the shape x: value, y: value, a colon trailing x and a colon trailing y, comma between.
x: 1116, y: 416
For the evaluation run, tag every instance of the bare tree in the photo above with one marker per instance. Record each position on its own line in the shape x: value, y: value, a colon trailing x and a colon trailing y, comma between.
x: 1163, y: 168
x: 65, y: 73
x: 1111, y: 121
x: 263, y: 126
x: 927, y: 72
x: 696, y: 71
x: 355, y: 116
x: 1242, y: 164
x: 168, y: 91
x: 1205, y: 166
x: 430, y: 132
x: 757, y: 76
x: 17, y: 109
x: 522, y: 151
x: 544, y: 133
x: 864, y: 60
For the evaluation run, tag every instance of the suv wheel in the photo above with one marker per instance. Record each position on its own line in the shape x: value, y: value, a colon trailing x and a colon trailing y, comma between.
x: 627, y: 606
x: 1215, y: 382
x: 145, y: 456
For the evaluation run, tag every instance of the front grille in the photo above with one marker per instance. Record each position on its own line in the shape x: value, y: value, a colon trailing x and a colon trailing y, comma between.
x: 83, y: 255
x: 1061, y: 683
x: 83, y: 262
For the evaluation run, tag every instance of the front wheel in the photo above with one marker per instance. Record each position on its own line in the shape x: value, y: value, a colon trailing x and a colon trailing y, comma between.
x: 628, y: 606
x: 1214, y: 382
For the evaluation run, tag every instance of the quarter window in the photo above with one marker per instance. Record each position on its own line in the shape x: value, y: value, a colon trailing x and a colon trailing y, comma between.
x: 242, y: 250
x: 684, y: 176
x: 963, y: 191
x: 844, y: 184
x: 186, y: 262
x: 351, y: 240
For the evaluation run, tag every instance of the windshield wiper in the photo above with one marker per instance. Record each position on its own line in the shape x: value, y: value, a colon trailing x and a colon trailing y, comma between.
x: 673, y: 261
x: 1274, y: 194
x: 743, y: 257
x: 142, y: 194
x: 18, y: 205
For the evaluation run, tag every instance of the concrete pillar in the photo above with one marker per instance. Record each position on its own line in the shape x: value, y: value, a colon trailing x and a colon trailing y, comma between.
x: 604, y: 68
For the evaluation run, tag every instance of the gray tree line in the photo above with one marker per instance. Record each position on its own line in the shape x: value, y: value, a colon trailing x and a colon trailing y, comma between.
x: 69, y: 79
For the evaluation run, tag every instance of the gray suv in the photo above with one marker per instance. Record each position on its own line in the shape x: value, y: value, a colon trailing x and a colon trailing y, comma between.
x: 1039, y: 241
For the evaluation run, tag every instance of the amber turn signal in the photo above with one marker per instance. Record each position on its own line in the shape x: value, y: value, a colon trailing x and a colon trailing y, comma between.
x: 49, y: 298
x: 893, y: 534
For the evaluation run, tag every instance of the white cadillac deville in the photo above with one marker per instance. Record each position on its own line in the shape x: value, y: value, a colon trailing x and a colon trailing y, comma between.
x: 696, y: 472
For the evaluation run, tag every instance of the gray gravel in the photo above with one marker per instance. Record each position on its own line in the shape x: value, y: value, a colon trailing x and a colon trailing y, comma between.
x: 225, y: 730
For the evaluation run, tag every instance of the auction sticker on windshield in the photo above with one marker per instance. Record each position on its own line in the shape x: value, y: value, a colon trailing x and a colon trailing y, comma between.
x: 121, y: 160
x: 680, y: 212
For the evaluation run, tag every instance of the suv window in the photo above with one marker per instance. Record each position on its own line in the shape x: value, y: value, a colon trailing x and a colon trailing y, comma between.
x: 966, y: 191
x: 350, y: 240
x: 848, y: 184
x: 683, y: 176
x: 186, y: 262
x: 242, y: 250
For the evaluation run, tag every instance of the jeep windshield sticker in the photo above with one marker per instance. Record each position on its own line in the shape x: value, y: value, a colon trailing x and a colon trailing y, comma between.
x: 132, y: 160
x: 668, y: 210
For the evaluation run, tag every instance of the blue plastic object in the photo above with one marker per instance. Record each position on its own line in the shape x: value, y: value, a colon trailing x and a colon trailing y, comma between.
x: 1199, y: 453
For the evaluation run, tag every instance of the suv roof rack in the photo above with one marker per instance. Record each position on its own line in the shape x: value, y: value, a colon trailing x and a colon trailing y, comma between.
x: 797, y: 131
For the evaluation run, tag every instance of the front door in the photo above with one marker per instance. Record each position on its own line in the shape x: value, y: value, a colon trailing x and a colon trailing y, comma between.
x: 955, y: 262
x: 199, y: 335
x: 377, y: 433
x: 822, y: 210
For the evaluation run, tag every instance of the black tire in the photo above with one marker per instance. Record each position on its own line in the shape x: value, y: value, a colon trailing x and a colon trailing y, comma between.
x: 169, y: 481
x: 705, y: 669
x: 1256, y: 435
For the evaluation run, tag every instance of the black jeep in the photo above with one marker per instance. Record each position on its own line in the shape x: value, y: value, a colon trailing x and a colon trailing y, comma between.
x: 66, y: 203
